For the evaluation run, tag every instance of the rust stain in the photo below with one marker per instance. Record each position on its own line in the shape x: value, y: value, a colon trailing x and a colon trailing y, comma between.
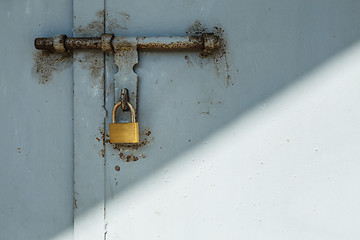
x: 81, y: 43
x: 131, y: 158
x: 195, y: 42
x: 197, y: 28
x: 131, y: 146
x: 75, y: 203
x: 113, y: 25
x: 117, y: 168
x: 102, y: 153
x: 189, y: 62
x: 94, y: 62
x: 94, y: 28
x: 46, y: 63
x: 128, y: 152
x: 207, y: 112
x: 219, y: 57
x: 101, y: 130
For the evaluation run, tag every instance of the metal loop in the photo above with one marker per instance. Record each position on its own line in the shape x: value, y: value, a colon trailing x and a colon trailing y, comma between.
x: 124, y: 98
x: 59, y: 43
x: 106, y: 39
x: 132, y: 110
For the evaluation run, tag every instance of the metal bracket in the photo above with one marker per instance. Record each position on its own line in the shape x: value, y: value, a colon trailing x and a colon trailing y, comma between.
x: 125, y: 57
x: 126, y: 53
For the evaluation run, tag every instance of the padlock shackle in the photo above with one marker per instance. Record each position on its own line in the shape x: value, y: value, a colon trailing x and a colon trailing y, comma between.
x: 132, y: 110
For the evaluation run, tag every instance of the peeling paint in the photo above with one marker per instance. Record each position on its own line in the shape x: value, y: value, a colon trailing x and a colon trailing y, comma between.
x: 102, y: 153
x: 219, y: 57
x: 94, y: 63
x: 196, y: 28
x: 113, y: 24
x: 46, y: 63
x: 93, y: 28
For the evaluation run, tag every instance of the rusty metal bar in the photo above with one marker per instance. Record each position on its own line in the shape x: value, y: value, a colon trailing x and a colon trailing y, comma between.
x: 70, y: 43
x: 169, y: 43
x: 107, y: 42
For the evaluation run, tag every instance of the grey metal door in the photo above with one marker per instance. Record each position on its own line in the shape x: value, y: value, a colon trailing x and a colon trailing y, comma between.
x: 257, y: 141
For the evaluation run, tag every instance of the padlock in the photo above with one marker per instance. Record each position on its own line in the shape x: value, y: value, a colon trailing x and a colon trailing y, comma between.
x: 124, y: 132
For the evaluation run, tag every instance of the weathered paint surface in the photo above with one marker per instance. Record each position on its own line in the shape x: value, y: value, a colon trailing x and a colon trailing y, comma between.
x: 259, y: 140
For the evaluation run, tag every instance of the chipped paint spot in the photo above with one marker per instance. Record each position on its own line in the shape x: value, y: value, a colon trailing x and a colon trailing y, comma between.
x: 94, y: 28
x: 102, y: 153
x: 113, y: 25
x: 189, y: 62
x: 125, y: 15
x: 207, y: 112
x: 75, y: 200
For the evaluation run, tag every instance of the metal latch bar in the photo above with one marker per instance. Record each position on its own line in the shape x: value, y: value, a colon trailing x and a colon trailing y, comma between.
x: 125, y: 51
x: 60, y: 43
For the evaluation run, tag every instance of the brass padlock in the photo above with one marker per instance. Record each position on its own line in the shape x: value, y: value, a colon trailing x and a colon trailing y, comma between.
x: 124, y: 132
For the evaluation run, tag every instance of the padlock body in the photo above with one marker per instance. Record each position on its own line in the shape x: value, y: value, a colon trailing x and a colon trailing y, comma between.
x: 124, y: 132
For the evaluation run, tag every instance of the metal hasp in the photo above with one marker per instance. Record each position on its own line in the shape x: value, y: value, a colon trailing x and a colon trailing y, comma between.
x: 125, y: 51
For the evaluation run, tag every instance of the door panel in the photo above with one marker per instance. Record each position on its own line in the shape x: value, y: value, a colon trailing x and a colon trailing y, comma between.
x: 231, y: 143
x: 36, y: 146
